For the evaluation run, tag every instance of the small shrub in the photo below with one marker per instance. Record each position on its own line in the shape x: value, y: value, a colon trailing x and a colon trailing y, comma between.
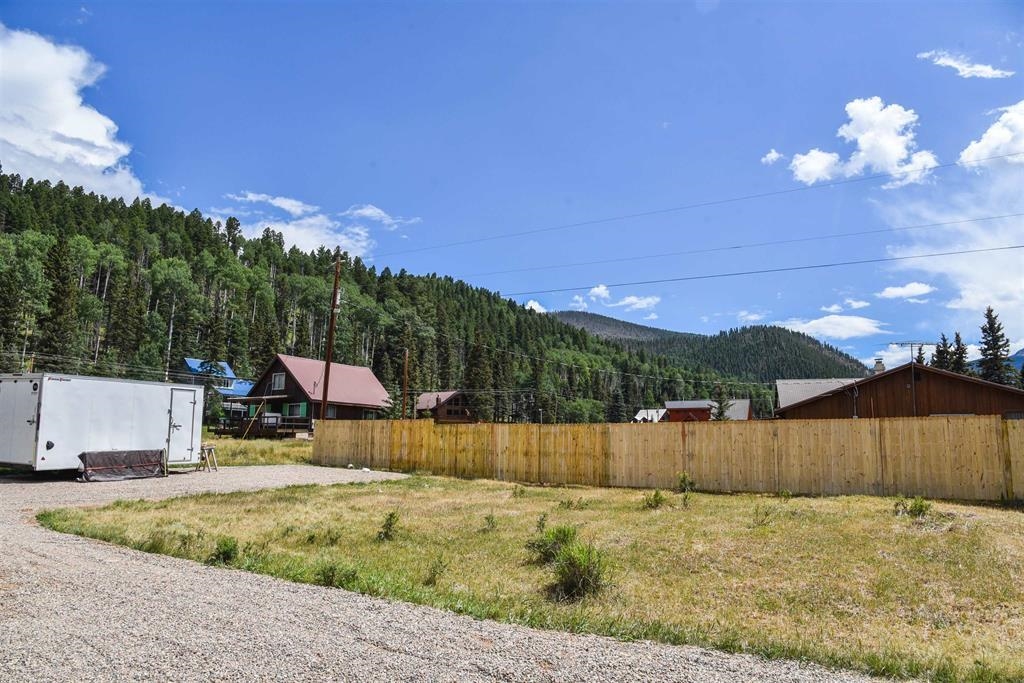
x: 438, y: 566
x: 916, y: 508
x: 785, y: 494
x: 542, y: 522
x: 334, y: 575
x: 685, y: 483
x: 225, y: 551
x: 571, y: 504
x: 580, y: 570
x: 490, y: 523
x: 389, y: 529
x: 545, y: 547
x: 654, y: 500
x: 762, y: 516
x: 518, y: 491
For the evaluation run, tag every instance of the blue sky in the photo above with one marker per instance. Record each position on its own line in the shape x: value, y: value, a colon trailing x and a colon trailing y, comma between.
x: 396, y: 129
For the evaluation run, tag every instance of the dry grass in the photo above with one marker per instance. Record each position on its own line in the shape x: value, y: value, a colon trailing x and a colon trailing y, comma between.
x: 841, y: 581
x: 261, y: 451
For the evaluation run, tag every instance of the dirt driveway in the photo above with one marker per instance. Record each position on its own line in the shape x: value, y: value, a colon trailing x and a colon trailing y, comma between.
x: 73, y: 609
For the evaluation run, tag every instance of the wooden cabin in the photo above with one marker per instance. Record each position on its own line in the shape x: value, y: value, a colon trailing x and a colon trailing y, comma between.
x: 285, y: 399
x: 910, y: 390
x: 450, y: 407
x: 700, y: 410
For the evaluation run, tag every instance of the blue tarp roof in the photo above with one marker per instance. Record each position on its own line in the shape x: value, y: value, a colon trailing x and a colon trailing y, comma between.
x: 238, y: 388
x: 194, y: 365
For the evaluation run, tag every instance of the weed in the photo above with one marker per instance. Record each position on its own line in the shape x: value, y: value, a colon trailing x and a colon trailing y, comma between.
x: 438, y: 566
x: 518, y: 491
x: 490, y: 523
x: 225, y: 551
x: 685, y: 483
x: 762, y: 516
x: 916, y: 508
x: 580, y: 570
x: 542, y: 522
x: 334, y: 575
x: 545, y: 548
x: 573, y: 504
x: 389, y: 529
x: 785, y: 494
x: 654, y: 500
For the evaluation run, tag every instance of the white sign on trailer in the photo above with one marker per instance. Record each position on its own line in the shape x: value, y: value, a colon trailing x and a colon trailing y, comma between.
x: 65, y: 415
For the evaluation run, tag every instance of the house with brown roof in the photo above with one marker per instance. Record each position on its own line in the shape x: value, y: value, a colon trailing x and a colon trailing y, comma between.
x: 286, y: 397
x: 700, y: 410
x: 910, y: 390
x: 445, y: 406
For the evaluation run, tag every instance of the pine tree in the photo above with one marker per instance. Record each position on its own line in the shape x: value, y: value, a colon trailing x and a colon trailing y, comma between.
x: 995, y: 351
x: 617, y: 407
x: 58, y: 328
x: 479, y: 381
x: 958, y: 359
x: 942, y: 357
x: 720, y: 403
x: 919, y: 358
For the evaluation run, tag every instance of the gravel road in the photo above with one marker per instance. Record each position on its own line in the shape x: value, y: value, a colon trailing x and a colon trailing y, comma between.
x: 74, y: 609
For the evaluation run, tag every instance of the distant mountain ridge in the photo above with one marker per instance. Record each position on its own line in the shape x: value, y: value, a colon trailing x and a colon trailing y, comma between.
x: 762, y: 353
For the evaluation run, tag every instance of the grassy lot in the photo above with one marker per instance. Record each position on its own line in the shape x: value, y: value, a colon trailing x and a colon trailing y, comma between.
x: 260, y: 451
x: 841, y: 581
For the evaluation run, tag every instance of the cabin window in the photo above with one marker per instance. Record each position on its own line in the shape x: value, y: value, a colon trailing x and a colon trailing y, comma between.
x: 332, y: 412
x: 277, y: 381
x: 296, y: 409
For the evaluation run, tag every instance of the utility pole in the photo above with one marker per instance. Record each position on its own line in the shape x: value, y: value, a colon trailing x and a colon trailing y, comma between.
x: 405, y: 384
x: 330, y: 337
x: 913, y: 372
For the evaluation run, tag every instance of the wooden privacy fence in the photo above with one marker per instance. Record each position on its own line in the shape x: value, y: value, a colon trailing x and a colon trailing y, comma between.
x: 956, y: 457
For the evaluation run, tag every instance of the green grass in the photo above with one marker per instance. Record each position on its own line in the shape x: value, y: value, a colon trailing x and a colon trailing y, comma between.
x: 261, y: 451
x: 839, y: 581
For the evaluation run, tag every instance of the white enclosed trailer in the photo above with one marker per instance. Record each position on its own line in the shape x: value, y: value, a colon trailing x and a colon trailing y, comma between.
x: 48, y: 419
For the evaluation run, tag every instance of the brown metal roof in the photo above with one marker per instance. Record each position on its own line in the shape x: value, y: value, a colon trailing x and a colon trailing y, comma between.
x: 350, y: 384
x: 432, y: 399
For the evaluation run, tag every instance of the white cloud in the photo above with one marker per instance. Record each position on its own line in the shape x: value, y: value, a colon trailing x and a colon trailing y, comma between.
x: 834, y: 308
x: 292, y: 206
x: 816, y: 166
x: 1005, y: 136
x: 534, y: 305
x: 835, y: 326
x: 651, y: 316
x: 915, y: 300
x: 964, y: 67
x: 46, y: 128
x: 854, y: 304
x: 907, y: 291
x: 310, y: 232
x: 884, y: 137
x: 771, y: 157
x: 749, y: 317
x: 376, y: 214
x: 636, y: 303
x: 599, y: 292
x: 578, y: 303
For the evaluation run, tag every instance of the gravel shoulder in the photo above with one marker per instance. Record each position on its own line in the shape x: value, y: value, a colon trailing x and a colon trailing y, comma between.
x: 78, y: 609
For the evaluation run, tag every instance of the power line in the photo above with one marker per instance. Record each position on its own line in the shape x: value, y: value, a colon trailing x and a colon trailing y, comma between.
x: 734, y: 247
x: 687, y: 207
x: 763, y: 271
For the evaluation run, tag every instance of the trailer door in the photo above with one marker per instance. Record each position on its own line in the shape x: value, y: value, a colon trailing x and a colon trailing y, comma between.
x: 181, y: 418
x: 19, y: 418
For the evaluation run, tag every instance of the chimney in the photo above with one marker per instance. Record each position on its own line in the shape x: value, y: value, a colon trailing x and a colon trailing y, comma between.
x: 879, y: 367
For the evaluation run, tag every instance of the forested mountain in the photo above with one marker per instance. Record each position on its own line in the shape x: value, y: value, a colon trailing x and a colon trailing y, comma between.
x: 95, y: 285
x: 762, y: 353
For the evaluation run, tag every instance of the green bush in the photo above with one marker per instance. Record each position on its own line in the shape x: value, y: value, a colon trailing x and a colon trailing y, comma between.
x: 916, y: 508
x: 334, y: 575
x: 762, y: 516
x: 490, y: 523
x: 542, y: 522
x: 685, y: 483
x: 518, y: 491
x: 225, y: 551
x: 389, y: 529
x: 654, y: 500
x: 438, y: 566
x: 580, y: 570
x: 545, y: 548
x: 573, y: 504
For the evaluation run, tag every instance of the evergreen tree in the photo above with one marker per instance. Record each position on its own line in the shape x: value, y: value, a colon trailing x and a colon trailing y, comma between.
x: 58, y: 328
x: 958, y: 359
x: 919, y: 358
x: 479, y: 381
x: 617, y: 407
x: 995, y: 351
x: 942, y: 357
x: 720, y: 403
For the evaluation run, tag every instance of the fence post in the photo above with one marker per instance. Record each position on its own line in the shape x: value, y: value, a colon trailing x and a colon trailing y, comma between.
x: 1004, y: 446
